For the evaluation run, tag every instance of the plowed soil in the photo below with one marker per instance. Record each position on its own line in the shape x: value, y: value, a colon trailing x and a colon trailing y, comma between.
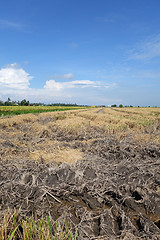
x: 69, y: 166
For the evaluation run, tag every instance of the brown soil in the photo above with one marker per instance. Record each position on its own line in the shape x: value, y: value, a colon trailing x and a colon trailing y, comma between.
x: 106, y: 188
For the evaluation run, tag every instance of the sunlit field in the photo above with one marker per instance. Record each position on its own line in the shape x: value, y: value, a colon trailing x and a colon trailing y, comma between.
x: 16, y: 110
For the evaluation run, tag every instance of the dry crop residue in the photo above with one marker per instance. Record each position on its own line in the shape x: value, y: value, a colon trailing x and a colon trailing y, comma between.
x: 99, y: 169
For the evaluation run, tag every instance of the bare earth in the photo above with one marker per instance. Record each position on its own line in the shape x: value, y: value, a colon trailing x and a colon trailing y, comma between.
x: 98, y: 168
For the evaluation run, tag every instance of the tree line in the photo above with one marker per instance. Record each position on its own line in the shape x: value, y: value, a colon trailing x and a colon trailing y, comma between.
x: 120, y: 105
x: 8, y: 102
x: 25, y: 102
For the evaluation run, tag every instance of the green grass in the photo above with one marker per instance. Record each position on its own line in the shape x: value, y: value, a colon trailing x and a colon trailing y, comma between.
x: 14, y: 228
x: 16, y: 110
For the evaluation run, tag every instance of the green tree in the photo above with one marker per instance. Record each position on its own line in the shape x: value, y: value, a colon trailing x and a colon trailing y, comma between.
x: 8, y: 102
x: 114, y: 105
x: 24, y: 102
x: 120, y: 105
x: 1, y: 103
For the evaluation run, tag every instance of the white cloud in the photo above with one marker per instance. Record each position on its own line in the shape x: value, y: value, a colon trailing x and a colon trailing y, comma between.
x: 147, y: 50
x: 83, y: 82
x: 13, y: 76
x: 52, y: 84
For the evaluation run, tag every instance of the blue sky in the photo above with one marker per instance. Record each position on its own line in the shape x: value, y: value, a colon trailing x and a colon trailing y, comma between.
x: 80, y: 51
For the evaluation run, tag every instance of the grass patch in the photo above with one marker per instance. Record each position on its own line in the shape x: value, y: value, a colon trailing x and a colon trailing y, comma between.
x: 13, y: 228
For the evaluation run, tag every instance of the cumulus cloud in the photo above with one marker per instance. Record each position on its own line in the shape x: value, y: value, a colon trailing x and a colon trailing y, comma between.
x: 146, y: 50
x: 13, y: 76
x: 52, y: 84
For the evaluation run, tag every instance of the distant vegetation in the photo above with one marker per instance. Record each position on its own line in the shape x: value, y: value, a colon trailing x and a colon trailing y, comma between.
x: 25, y: 102
x: 24, y: 106
x: 120, y: 105
x: 16, y: 110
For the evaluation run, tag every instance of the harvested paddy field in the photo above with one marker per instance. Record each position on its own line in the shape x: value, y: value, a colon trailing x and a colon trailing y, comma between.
x: 99, y: 169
